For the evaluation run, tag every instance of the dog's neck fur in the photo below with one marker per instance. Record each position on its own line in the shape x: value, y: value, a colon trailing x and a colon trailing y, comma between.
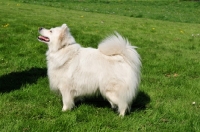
x: 62, y: 56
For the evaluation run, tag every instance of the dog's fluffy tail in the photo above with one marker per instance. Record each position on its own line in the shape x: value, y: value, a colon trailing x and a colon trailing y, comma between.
x: 117, y: 45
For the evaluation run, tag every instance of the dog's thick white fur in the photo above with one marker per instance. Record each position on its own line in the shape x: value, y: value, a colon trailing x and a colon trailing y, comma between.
x: 112, y: 70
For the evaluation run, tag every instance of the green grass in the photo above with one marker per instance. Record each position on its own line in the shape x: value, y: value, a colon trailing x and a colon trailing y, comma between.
x: 168, y: 10
x: 170, y: 74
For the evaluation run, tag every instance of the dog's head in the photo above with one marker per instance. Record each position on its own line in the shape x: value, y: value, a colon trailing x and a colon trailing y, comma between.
x: 56, y: 38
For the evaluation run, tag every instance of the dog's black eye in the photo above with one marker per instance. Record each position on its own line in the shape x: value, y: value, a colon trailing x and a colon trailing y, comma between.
x: 50, y: 31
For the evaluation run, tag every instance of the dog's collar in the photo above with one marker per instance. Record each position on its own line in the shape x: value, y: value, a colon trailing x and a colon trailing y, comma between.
x: 72, y: 43
x: 65, y: 45
x: 61, y: 47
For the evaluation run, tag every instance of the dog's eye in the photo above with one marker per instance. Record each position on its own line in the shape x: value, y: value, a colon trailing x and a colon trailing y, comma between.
x: 50, y: 31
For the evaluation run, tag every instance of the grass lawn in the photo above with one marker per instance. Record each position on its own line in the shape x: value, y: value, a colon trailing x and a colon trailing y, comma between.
x: 168, y: 37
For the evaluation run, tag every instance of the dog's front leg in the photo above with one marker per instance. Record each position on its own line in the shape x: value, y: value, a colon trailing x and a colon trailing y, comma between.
x: 68, y: 100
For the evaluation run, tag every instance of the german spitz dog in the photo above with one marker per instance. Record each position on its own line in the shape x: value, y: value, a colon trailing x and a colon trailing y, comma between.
x: 113, y: 69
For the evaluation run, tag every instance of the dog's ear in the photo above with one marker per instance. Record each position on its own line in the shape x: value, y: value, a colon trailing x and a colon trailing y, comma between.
x: 64, y: 26
x: 64, y: 32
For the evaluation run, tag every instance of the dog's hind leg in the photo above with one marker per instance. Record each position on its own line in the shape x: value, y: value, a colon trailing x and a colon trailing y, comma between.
x: 122, y: 108
x: 115, y: 100
x: 113, y: 106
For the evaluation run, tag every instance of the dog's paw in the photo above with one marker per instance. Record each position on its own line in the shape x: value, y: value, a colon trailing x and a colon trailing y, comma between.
x: 64, y: 108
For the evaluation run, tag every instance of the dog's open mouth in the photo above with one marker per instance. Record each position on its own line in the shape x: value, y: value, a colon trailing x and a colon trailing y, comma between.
x: 43, y: 38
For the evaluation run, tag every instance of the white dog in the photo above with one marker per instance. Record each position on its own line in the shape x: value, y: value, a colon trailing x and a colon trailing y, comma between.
x: 112, y: 70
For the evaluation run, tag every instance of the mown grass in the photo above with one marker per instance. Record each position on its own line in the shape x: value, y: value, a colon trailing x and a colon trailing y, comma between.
x: 170, y: 73
x: 170, y: 10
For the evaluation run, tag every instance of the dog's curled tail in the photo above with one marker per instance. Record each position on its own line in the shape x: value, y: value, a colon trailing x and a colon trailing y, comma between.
x: 117, y: 45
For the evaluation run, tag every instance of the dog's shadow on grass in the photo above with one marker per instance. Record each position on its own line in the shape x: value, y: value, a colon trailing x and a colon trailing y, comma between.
x: 15, y: 80
x: 140, y: 103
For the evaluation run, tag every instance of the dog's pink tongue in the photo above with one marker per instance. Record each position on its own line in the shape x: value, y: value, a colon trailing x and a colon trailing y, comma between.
x: 44, y: 38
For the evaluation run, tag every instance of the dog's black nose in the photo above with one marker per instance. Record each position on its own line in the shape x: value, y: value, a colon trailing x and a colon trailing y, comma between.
x: 40, y: 28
